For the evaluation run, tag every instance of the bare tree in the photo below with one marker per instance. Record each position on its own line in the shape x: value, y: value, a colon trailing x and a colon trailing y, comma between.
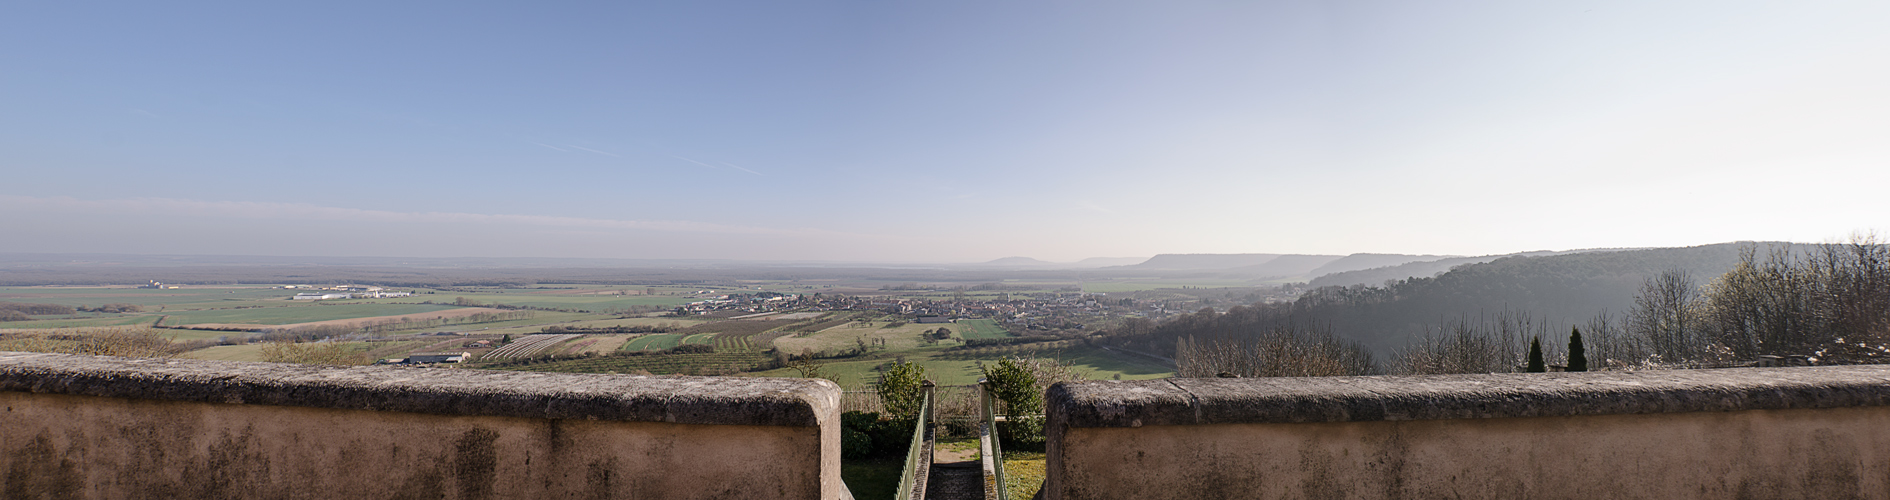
x: 1487, y: 345
x: 1609, y: 345
x: 1276, y: 351
x: 1666, y: 315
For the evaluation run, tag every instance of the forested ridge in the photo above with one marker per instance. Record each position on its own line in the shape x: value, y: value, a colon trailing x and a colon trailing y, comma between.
x: 1564, y: 290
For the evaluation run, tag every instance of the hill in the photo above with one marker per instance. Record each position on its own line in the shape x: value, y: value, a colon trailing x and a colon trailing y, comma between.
x: 1204, y: 261
x: 1556, y: 290
x: 1019, y: 262
x: 1361, y: 261
x: 1416, y: 269
x: 1288, y: 265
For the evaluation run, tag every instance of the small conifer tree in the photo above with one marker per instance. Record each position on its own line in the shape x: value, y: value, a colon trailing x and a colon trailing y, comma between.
x: 1535, y: 357
x: 1577, y: 355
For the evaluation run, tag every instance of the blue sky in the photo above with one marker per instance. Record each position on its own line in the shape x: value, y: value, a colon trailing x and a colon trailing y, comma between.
x: 937, y: 131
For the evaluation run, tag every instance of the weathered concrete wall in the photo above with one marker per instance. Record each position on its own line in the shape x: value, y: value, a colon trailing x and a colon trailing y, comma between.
x: 1820, y: 432
x: 100, y: 427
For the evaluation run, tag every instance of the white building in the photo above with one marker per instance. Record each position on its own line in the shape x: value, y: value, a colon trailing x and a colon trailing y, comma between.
x: 322, y: 296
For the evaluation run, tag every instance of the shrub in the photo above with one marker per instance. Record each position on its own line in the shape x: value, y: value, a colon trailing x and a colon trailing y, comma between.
x: 864, y: 435
x: 901, y: 389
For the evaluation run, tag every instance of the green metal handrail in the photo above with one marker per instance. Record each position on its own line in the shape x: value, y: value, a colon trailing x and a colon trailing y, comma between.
x: 918, y: 455
x: 993, y: 447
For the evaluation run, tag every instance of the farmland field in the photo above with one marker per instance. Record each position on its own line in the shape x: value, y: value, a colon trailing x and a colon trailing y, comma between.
x: 150, y: 299
x: 551, y: 299
x: 101, y: 320
x: 298, y: 314
x: 979, y: 329
x: 848, y: 336
x: 600, y: 344
x: 606, y: 323
x: 253, y: 352
x: 653, y: 342
x: 664, y: 364
x: 528, y: 326
x: 248, y: 352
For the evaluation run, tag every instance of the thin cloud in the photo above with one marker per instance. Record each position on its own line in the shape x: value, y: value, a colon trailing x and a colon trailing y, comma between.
x: 595, y: 151
x: 559, y: 149
x: 739, y: 167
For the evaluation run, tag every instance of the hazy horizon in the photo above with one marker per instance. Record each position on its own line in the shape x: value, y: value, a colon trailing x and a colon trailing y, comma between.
x: 952, y: 133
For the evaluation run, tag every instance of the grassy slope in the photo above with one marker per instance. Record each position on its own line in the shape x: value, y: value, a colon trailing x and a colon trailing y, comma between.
x: 979, y: 329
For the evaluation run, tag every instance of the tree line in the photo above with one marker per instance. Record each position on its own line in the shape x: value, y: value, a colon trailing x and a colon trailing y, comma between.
x: 1820, y: 304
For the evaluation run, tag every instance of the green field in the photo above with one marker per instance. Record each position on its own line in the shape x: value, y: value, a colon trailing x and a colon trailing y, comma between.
x: 979, y: 329
x: 901, y: 338
x: 150, y: 299
x: 528, y: 326
x: 654, y: 342
x: 99, y: 320
x: 298, y: 314
x: 594, y: 303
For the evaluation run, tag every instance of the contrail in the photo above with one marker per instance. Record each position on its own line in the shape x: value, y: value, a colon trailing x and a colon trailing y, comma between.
x: 596, y: 151
x: 695, y: 162
x: 744, y: 169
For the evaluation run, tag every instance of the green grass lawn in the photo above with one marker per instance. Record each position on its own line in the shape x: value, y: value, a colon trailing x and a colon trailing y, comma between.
x: 1023, y: 473
x: 288, y: 314
x: 979, y: 329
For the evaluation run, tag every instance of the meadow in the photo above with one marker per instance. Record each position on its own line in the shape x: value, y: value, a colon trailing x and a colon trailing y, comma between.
x: 299, y: 313
x: 979, y: 329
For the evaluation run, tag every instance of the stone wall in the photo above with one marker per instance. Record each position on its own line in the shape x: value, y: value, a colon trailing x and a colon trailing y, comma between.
x: 102, y: 427
x: 1816, y: 432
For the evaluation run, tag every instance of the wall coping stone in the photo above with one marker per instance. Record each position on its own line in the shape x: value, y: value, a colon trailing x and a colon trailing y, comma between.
x: 441, y: 391
x: 1184, y: 401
